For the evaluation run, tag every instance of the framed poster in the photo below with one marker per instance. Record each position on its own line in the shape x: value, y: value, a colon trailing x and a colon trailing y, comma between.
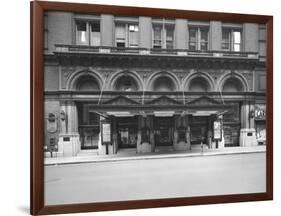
x: 106, y: 133
x: 160, y: 78
x: 217, y: 130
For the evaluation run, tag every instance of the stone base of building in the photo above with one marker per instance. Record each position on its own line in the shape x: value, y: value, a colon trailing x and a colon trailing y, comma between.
x: 69, y: 145
x: 54, y: 154
x: 248, y: 137
x: 144, y: 148
x: 182, y: 146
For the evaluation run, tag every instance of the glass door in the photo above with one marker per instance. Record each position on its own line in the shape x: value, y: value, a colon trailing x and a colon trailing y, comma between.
x: 198, y: 130
x: 164, y: 131
x: 127, y: 132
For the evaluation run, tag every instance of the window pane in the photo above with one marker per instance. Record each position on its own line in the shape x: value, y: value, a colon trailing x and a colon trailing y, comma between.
x: 192, y: 46
x: 237, y: 37
x: 95, y: 27
x: 81, y: 26
x: 120, y: 35
x: 95, y: 38
x: 133, y: 28
x: 226, y: 39
x: 236, y: 48
x: 204, y: 39
x: 157, y: 44
x: 204, y: 35
x: 169, y: 33
x: 236, y: 40
x: 95, y: 34
x: 204, y: 46
x: 157, y: 32
x: 192, y: 38
x: 120, y: 43
x: 169, y: 37
x: 169, y: 44
x: 133, y: 35
x: 192, y: 34
x: 120, y: 32
x: 157, y: 38
x: 82, y: 37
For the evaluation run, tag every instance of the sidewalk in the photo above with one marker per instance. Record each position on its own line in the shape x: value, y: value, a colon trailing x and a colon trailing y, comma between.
x: 152, y: 155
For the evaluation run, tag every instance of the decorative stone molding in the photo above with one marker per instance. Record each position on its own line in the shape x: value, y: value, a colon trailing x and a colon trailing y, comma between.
x: 156, y: 75
x: 72, y: 79
x: 240, y: 77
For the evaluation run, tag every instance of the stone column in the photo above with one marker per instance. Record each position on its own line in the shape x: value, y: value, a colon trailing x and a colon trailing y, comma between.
x: 143, y: 147
x: 145, y: 33
x: 113, y: 148
x: 215, y: 35
x: 69, y: 143
x: 187, y: 135
x: 63, y: 122
x: 107, y: 27
x: 209, y: 133
x: 151, y: 126
x: 176, y: 125
x: 247, y: 132
x: 181, y: 33
x: 251, y: 37
x: 181, y: 145
x: 221, y: 143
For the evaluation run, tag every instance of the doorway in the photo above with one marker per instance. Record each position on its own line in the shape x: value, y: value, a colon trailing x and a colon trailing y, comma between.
x: 127, y: 129
x: 164, y: 131
x: 199, y: 130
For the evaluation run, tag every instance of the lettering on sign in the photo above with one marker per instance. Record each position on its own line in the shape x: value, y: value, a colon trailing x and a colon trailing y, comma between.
x: 106, y: 133
x: 260, y: 111
x: 217, y: 130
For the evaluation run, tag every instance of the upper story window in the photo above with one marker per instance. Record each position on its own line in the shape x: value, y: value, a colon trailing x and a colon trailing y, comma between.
x: 126, y: 35
x: 231, y: 39
x: 163, y: 36
x: 198, y: 38
x: 88, y: 33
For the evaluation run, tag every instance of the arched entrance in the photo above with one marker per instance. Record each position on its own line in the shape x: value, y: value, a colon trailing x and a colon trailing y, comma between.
x: 199, y: 84
x: 233, y: 84
x: 87, y: 83
x: 88, y: 120
x: 163, y: 83
x: 126, y: 83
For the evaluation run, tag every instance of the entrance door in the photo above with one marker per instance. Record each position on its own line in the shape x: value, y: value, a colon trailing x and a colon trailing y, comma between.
x: 198, y: 129
x: 127, y: 132
x: 89, y: 127
x: 164, y: 131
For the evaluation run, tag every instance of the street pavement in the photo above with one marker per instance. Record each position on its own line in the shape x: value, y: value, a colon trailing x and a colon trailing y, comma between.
x: 155, y: 178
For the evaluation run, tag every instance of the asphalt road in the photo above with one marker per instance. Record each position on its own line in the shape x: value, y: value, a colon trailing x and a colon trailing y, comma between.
x: 155, y: 178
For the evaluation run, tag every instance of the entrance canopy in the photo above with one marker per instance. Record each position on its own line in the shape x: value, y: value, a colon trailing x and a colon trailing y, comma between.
x: 162, y: 106
x: 205, y: 112
x: 166, y: 113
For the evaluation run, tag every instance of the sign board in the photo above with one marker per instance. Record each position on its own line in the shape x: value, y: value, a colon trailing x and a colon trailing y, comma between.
x: 106, y: 132
x: 217, y: 130
x: 260, y: 111
x: 52, y: 123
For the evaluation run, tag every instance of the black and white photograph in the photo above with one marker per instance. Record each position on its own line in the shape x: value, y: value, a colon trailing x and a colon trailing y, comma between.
x: 146, y: 107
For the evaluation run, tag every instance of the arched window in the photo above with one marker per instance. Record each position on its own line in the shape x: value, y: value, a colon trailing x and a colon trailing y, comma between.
x: 199, y: 84
x: 126, y: 83
x: 163, y: 83
x: 233, y: 84
x: 87, y: 83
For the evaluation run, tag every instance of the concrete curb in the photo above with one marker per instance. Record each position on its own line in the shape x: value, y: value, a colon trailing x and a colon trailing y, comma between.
x: 81, y: 160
